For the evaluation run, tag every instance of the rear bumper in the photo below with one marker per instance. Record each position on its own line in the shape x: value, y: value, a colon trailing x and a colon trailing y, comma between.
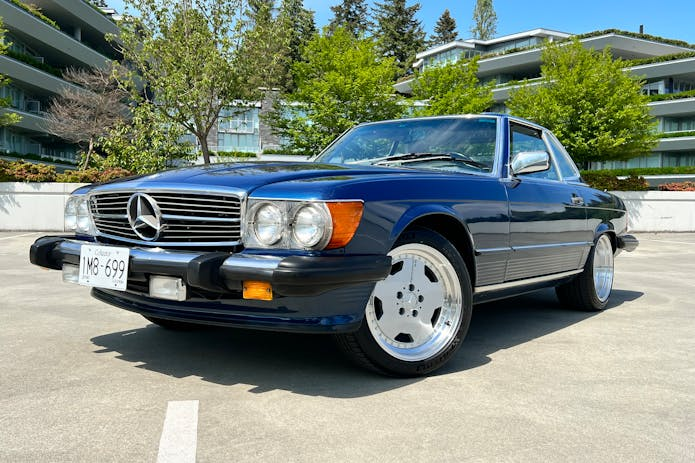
x: 627, y: 243
x: 311, y: 293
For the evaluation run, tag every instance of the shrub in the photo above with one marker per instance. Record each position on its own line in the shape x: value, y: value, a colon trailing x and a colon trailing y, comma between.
x: 644, y: 171
x: 602, y: 180
x: 21, y: 171
x: 678, y: 186
x: 93, y: 175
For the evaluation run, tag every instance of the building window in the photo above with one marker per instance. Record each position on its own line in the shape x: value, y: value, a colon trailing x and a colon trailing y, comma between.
x: 678, y: 124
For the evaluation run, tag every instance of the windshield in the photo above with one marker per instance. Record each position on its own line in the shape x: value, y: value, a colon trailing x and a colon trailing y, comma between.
x: 453, y: 144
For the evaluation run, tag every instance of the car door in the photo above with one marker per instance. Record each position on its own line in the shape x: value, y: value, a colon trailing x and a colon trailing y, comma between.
x: 548, y: 227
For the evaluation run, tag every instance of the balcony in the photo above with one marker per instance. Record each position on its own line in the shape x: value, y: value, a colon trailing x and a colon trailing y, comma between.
x: 63, y: 49
x: 686, y: 143
x: 673, y: 108
x: 31, y: 122
x: 36, y: 81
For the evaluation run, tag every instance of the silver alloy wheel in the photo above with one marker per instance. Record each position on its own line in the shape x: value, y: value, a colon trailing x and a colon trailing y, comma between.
x: 415, y: 312
x: 603, y: 268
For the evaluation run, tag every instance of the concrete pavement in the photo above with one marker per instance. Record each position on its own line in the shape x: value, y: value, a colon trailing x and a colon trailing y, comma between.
x: 83, y: 381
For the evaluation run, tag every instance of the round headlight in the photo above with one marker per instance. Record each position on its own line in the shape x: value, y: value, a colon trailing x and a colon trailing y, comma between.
x: 308, y: 226
x: 84, y: 222
x: 71, y: 214
x: 268, y: 224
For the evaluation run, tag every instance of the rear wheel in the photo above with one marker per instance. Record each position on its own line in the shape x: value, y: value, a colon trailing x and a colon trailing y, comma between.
x: 417, y: 317
x: 591, y: 289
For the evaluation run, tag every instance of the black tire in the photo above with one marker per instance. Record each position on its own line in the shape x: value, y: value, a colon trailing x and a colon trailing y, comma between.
x: 404, y: 355
x: 173, y: 325
x: 581, y: 293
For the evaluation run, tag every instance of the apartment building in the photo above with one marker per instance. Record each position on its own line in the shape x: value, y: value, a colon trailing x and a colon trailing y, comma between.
x: 667, y: 66
x: 46, y: 38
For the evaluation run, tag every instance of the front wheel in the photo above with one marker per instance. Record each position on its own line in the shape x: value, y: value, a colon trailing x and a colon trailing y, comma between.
x: 591, y: 289
x: 417, y: 317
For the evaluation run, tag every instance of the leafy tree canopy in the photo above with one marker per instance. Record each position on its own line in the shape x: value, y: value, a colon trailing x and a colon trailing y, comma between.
x: 351, y: 15
x: 484, y: 20
x: 264, y: 56
x: 398, y: 32
x: 341, y: 81
x: 186, y: 53
x: 591, y: 104
x: 444, y: 30
x: 144, y: 143
x: 452, y: 89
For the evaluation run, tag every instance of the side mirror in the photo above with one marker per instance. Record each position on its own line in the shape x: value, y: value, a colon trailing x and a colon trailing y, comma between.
x: 527, y: 162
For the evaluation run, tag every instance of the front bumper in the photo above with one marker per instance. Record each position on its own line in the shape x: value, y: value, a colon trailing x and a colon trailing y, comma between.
x: 311, y: 293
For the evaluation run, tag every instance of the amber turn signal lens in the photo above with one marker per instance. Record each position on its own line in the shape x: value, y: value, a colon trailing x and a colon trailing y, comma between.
x: 258, y: 290
x: 346, y: 217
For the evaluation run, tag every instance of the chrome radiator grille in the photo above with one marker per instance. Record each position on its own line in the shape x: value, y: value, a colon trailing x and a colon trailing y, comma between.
x: 187, y: 218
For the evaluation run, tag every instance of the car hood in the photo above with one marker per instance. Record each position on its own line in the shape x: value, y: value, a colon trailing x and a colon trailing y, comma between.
x: 245, y: 176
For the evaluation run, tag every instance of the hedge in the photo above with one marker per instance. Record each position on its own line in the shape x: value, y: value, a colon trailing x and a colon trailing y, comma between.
x: 602, y: 180
x: 21, y: 171
x: 644, y: 171
x: 679, y: 186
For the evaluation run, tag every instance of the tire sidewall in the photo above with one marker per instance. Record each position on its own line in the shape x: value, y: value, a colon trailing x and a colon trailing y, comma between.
x: 406, y: 368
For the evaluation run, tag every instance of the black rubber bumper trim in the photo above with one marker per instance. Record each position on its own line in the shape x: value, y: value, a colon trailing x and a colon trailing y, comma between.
x: 308, y: 275
x: 224, y: 272
x: 628, y: 243
x: 41, y: 252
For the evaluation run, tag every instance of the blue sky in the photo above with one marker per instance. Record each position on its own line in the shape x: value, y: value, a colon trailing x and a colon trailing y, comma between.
x: 673, y: 19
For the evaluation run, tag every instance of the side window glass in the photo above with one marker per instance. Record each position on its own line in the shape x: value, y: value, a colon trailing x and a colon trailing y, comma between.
x: 528, y: 139
x: 563, y: 160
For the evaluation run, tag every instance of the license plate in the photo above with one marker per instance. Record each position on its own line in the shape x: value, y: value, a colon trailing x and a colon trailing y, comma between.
x: 104, y: 266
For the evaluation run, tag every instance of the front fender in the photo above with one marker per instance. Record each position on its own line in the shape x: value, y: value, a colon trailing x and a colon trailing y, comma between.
x: 421, y: 211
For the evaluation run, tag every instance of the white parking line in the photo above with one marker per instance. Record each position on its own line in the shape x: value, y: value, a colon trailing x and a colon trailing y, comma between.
x: 180, y: 433
x: 17, y: 236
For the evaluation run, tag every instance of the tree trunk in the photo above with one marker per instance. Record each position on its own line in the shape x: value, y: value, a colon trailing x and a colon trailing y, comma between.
x: 204, y: 148
x: 90, y: 148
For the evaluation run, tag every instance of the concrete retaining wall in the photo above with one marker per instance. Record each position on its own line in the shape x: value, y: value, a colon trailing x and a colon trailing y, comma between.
x: 659, y: 211
x: 33, y: 206
x: 39, y: 207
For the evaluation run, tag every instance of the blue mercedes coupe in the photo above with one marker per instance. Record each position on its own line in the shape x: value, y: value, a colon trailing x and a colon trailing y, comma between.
x: 385, y: 240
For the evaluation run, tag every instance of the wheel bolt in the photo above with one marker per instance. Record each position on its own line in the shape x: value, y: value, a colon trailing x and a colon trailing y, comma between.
x: 401, y: 311
x: 414, y: 313
x: 412, y: 287
x: 399, y: 295
x: 420, y: 298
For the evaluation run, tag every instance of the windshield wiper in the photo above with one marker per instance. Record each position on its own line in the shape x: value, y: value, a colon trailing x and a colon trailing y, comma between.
x: 428, y: 156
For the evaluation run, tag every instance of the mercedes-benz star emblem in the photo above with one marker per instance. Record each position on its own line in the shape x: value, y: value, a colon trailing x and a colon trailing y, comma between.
x: 144, y: 216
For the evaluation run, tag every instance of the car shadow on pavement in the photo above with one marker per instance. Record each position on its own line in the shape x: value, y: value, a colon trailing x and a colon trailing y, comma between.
x: 312, y: 364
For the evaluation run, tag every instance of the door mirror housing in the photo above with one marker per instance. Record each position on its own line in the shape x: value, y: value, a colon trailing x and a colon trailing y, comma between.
x: 528, y: 162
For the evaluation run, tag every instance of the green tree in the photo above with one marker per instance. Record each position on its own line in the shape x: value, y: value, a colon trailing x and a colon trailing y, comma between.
x: 399, y: 33
x: 341, y: 81
x: 444, y: 29
x: 144, y: 143
x: 6, y: 118
x: 484, y: 19
x: 300, y: 22
x: 592, y: 105
x: 186, y: 53
x: 264, y: 56
x: 352, y: 16
x: 452, y: 89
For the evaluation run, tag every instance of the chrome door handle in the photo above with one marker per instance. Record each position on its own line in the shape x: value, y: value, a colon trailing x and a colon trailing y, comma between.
x: 577, y: 200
